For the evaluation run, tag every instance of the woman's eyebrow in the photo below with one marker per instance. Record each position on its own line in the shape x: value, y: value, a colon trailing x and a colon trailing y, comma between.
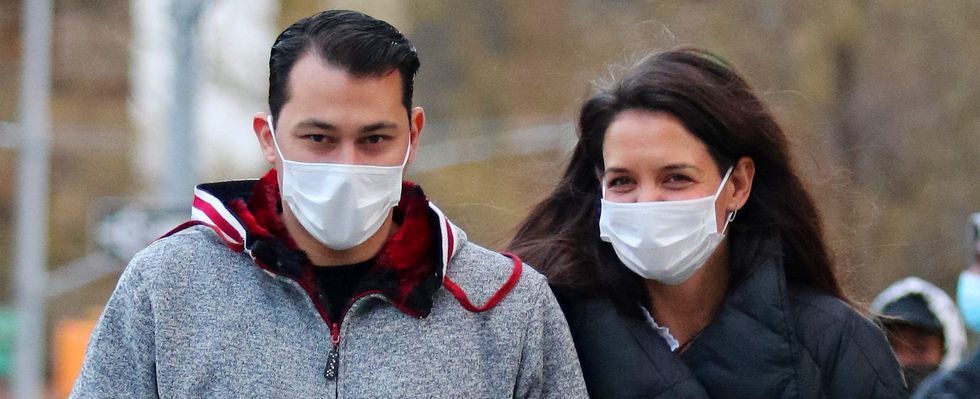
x: 616, y: 169
x: 679, y: 166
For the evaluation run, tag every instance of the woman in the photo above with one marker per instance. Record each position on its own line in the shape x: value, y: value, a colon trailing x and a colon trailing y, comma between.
x: 689, y: 258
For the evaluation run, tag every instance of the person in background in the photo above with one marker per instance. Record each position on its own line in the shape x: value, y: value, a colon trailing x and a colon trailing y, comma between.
x: 963, y: 382
x: 688, y: 255
x: 923, y: 327
x: 330, y: 277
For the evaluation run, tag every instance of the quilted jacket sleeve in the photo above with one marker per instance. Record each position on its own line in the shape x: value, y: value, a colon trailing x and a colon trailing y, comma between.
x: 852, y: 353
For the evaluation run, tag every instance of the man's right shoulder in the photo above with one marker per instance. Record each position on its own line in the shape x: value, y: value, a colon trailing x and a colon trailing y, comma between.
x: 177, y: 255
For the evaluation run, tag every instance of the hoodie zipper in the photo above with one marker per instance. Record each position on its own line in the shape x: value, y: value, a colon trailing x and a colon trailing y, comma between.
x: 332, y: 369
x: 333, y: 359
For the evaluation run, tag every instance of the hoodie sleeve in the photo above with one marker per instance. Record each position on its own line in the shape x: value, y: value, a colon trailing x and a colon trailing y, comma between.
x: 549, y: 365
x: 119, y: 361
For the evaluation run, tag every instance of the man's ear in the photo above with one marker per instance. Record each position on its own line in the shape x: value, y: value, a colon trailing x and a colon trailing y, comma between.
x: 742, y: 176
x: 418, y: 123
x: 263, y: 132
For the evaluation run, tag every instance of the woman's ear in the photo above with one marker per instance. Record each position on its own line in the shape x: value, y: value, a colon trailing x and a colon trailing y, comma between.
x: 742, y: 176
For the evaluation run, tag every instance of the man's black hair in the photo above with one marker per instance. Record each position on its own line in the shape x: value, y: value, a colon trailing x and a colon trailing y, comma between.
x: 354, y: 42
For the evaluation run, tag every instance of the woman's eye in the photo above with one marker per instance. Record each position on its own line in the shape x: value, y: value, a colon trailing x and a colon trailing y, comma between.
x: 678, y: 179
x: 619, y: 181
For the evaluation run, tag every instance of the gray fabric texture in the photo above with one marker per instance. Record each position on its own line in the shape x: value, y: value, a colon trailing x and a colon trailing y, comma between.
x: 191, y: 318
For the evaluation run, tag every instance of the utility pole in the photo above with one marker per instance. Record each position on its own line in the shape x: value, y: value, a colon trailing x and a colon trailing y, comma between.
x: 7, y: 132
x: 180, y: 176
x: 30, y: 263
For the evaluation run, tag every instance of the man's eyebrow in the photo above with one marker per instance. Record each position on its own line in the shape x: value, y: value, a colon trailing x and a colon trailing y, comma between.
x: 374, y: 127
x: 316, y: 123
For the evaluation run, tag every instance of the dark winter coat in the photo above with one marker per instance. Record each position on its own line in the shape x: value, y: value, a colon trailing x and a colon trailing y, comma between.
x: 768, y: 340
x: 960, y: 383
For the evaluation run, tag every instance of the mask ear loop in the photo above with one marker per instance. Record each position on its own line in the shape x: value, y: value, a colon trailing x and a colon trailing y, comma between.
x: 407, y: 150
x: 728, y: 220
x: 731, y: 216
x: 724, y: 180
x: 274, y: 141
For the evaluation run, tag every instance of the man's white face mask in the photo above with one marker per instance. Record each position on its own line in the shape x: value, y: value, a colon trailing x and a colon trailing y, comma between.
x: 338, y: 204
x: 666, y: 241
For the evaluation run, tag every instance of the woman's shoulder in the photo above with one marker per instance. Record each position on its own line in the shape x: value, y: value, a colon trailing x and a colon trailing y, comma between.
x: 825, y: 323
x: 583, y: 307
x: 579, y: 307
x: 846, y: 346
x: 820, y: 310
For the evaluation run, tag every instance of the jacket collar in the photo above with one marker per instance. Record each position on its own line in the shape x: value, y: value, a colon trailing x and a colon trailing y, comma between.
x: 763, y: 294
x: 408, y: 270
x: 756, y: 315
x: 753, y: 330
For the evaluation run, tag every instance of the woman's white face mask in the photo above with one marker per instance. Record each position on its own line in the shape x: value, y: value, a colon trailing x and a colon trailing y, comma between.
x: 340, y: 205
x: 666, y: 241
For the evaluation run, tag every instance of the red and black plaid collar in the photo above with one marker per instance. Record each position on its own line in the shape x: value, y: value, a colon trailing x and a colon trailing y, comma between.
x: 408, y: 270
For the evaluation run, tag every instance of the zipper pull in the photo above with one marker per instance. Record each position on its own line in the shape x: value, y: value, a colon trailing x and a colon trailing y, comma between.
x: 333, y: 359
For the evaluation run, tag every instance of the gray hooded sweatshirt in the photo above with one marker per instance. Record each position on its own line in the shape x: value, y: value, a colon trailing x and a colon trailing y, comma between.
x: 196, y: 315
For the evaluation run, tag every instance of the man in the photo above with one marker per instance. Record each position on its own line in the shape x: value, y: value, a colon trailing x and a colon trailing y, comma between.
x: 923, y: 326
x: 330, y: 276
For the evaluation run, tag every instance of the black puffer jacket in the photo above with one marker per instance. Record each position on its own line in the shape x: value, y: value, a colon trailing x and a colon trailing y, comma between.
x: 768, y: 340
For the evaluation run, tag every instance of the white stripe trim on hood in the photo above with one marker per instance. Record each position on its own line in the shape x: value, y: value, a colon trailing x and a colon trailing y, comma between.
x: 447, y: 234
x: 223, y: 213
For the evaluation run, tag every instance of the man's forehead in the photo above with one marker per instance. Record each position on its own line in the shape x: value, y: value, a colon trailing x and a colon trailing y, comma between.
x: 315, y: 78
x: 312, y: 58
x: 312, y: 75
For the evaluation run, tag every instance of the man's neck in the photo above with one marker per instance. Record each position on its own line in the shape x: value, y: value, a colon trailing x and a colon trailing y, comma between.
x: 321, y: 255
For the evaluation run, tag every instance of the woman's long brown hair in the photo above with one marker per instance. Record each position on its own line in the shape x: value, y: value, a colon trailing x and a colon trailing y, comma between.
x: 560, y: 236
